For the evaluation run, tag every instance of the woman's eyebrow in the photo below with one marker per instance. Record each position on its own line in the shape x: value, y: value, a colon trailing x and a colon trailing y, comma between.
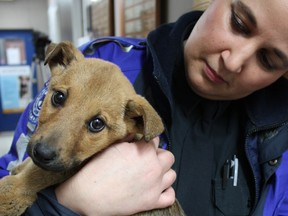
x: 247, y: 12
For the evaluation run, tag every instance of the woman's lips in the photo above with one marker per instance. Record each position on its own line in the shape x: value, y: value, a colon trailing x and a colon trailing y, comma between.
x: 212, y: 75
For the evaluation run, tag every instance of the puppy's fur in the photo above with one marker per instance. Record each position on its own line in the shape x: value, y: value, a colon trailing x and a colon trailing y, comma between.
x: 89, y: 106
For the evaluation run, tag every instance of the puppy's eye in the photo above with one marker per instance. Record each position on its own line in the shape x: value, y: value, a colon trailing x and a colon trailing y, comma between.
x: 96, y: 125
x: 58, y: 98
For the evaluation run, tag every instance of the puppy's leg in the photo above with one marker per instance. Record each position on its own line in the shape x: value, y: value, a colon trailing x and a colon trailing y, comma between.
x: 14, y: 198
x: 17, y: 192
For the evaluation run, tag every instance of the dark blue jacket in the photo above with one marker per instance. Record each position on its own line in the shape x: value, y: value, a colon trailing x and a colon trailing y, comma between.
x: 144, y: 62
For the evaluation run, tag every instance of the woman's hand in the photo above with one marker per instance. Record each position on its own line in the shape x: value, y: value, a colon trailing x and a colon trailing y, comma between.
x: 124, y: 179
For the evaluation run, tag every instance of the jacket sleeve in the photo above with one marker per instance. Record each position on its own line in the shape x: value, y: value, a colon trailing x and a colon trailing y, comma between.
x: 25, y: 127
x: 16, y: 153
x: 47, y: 204
x: 276, y: 200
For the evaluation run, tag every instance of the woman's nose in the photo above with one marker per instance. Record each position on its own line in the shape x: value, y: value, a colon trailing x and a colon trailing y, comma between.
x: 234, y: 59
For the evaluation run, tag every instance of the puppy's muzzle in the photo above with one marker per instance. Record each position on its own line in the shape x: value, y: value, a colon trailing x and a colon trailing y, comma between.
x: 45, y: 156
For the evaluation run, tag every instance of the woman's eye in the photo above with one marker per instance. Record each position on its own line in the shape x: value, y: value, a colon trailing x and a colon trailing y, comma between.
x: 58, y: 98
x: 96, y: 125
x: 264, y: 60
x: 238, y: 25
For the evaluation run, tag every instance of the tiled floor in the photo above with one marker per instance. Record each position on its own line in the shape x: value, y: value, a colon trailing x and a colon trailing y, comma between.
x: 5, y: 142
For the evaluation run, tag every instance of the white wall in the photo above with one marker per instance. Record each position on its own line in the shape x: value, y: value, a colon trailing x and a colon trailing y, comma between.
x: 24, y: 14
x: 85, y: 5
x: 60, y: 20
x: 65, y: 20
x: 54, y: 21
x: 77, y: 20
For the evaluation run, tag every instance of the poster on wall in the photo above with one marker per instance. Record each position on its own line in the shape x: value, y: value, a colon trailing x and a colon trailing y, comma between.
x: 15, y: 88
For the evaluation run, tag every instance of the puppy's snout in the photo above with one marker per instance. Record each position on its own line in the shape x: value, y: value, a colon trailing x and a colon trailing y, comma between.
x: 43, y: 153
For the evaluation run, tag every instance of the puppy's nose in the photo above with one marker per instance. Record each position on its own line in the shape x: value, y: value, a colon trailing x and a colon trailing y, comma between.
x: 44, y: 153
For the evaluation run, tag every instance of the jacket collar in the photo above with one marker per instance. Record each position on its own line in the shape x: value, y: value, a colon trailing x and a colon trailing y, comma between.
x: 165, y: 47
x: 268, y: 107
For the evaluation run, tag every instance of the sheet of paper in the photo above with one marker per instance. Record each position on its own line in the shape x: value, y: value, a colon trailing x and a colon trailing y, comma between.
x: 13, y: 56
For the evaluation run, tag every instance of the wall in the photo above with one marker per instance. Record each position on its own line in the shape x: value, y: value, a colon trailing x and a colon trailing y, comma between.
x: 176, y: 8
x: 60, y: 21
x: 66, y: 19
x: 23, y: 14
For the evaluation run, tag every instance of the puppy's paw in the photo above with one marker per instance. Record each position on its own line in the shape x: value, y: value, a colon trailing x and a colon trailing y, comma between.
x: 14, y: 197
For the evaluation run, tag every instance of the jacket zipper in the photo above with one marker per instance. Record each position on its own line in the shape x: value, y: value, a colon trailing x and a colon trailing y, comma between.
x: 169, y: 143
x: 257, y: 187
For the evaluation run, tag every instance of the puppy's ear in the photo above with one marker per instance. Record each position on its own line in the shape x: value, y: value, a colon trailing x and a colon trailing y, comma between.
x: 147, y: 120
x: 61, y: 54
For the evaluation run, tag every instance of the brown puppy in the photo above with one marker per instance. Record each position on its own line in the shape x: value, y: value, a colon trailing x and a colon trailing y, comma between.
x: 89, y: 106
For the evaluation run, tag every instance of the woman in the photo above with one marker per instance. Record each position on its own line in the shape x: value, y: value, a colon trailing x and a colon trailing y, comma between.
x: 218, y: 83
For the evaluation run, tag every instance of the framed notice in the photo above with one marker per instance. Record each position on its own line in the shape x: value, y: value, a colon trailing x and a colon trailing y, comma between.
x: 15, y: 88
x: 17, y: 51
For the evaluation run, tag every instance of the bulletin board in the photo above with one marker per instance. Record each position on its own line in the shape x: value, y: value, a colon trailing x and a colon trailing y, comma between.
x: 16, y: 78
x: 140, y: 17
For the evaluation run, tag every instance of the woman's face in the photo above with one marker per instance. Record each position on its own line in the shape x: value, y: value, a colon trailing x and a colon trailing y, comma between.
x: 237, y: 47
